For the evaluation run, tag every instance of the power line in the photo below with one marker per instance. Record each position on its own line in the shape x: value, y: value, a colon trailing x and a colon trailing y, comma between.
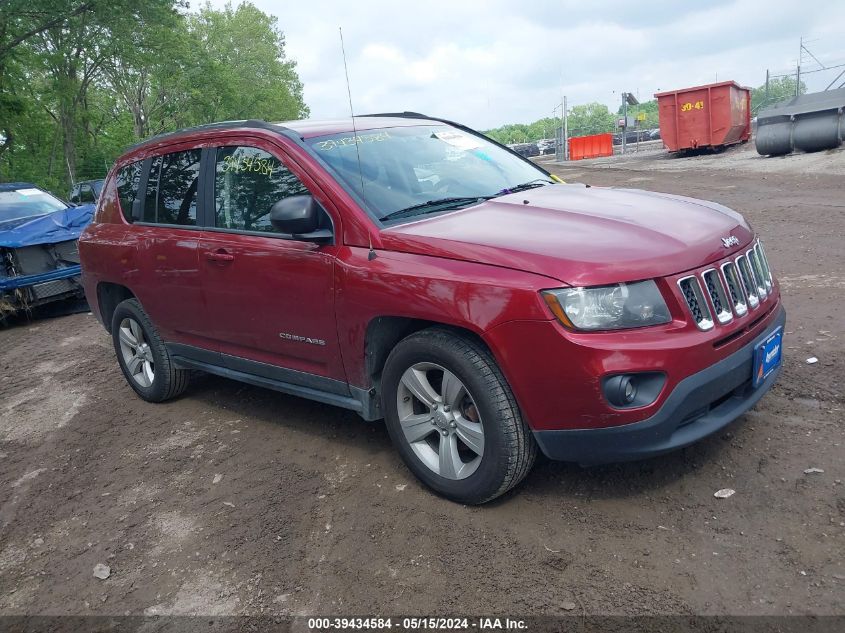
x: 835, y: 80
x: 807, y: 72
x: 813, y: 56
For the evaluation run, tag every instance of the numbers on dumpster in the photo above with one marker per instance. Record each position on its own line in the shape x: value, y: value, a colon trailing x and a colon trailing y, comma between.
x: 689, y: 106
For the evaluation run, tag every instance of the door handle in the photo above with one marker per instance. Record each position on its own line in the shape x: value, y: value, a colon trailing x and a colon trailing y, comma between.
x: 220, y: 255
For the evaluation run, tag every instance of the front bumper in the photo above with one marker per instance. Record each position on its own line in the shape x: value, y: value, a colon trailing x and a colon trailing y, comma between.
x: 700, y: 405
x: 25, y: 281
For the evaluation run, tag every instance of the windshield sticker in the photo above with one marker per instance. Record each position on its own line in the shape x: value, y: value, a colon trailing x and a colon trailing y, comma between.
x: 29, y: 192
x: 482, y: 155
x: 351, y: 140
x: 461, y: 141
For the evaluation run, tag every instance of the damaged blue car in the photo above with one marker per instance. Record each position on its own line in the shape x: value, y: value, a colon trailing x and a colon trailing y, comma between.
x: 39, y: 256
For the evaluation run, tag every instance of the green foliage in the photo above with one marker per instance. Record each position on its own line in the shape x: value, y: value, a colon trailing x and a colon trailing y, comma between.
x: 79, y: 81
x: 21, y: 20
x: 780, y: 89
x: 590, y: 118
x: 243, y: 53
x: 649, y: 108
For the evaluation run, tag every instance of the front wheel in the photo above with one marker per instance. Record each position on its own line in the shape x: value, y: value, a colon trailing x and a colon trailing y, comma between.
x: 453, y: 418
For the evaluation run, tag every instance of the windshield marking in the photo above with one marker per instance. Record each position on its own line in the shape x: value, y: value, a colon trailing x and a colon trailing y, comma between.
x: 458, y: 140
x: 351, y: 140
x: 401, y: 172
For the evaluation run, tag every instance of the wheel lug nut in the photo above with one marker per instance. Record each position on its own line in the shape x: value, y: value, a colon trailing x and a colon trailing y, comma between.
x: 447, y: 408
x: 444, y: 433
x: 452, y: 425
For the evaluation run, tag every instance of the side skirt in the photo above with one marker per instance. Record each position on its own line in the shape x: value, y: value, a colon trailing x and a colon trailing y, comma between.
x: 318, y: 388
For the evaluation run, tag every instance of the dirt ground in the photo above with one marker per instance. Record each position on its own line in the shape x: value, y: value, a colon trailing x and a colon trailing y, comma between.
x: 238, y: 500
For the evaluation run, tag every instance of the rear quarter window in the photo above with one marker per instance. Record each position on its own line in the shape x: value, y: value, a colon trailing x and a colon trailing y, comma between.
x: 128, y: 183
x: 171, y: 196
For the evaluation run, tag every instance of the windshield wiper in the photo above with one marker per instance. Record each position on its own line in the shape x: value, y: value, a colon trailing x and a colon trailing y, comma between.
x: 432, y: 206
x: 531, y: 184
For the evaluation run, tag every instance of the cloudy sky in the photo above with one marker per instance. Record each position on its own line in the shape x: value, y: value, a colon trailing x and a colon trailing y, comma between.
x: 498, y: 61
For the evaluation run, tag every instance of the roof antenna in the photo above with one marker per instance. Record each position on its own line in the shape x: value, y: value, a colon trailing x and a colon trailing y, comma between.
x: 372, y: 254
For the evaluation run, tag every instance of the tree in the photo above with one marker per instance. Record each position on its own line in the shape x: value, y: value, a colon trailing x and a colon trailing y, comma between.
x: 590, y: 118
x: 73, y: 53
x: 79, y: 81
x: 21, y: 20
x: 245, y: 72
x: 647, y: 108
x: 780, y: 89
x: 143, y: 70
x: 511, y: 133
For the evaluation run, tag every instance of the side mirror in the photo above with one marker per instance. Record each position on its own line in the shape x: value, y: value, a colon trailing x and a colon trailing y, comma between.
x: 300, y: 216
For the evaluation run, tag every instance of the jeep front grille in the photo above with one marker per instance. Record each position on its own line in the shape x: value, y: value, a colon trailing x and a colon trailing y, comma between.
x: 718, y: 296
x: 696, y: 302
x: 748, y: 282
x: 759, y: 277
x: 732, y: 288
x: 764, y: 264
x: 735, y: 288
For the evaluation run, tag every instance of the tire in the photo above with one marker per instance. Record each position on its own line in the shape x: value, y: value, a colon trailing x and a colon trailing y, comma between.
x: 152, y: 374
x: 488, y: 447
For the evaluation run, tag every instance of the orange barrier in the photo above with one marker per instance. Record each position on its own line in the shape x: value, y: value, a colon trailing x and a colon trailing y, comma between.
x: 590, y: 146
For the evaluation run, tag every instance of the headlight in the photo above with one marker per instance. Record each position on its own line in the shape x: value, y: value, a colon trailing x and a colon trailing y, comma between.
x: 609, y: 307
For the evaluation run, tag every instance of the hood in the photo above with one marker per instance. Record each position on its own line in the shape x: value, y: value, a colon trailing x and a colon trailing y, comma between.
x: 59, y: 226
x: 579, y: 235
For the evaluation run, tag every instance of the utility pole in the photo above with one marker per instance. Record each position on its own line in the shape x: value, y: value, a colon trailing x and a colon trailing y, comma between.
x: 562, y: 143
x: 565, y: 131
x: 767, y: 87
x: 558, y: 132
x: 625, y: 117
x: 798, y: 67
x: 627, y: 98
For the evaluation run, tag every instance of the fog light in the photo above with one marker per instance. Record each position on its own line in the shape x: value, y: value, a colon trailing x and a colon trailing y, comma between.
x: 633, y: 390
x: 630, y: 390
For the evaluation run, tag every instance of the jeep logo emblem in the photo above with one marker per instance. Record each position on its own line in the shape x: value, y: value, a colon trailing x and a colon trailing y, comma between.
x: 730, y: 240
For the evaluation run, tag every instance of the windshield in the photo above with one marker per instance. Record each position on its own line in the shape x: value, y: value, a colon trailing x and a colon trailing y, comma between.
x: 27, y: 202
x: 409, y: 168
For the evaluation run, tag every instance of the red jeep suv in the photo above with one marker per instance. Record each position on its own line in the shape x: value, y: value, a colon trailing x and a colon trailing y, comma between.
x: 409, y: 268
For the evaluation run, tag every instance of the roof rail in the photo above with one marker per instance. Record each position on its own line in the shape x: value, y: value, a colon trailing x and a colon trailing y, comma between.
x: 401, y: 115
x: 221, y: 125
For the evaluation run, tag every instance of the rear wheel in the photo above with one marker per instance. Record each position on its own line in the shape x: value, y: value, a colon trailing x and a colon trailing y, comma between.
x: 453, y: 418
x: 142, y: 355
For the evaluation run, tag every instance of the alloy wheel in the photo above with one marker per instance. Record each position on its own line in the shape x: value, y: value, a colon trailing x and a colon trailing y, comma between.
x: 137, y: 355
x: 440, y: 421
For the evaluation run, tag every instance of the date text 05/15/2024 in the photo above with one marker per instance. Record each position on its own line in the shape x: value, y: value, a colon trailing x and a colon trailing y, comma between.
x: 417, y: 624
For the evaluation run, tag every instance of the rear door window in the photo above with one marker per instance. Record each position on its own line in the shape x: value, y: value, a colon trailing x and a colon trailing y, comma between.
x: 171, y: 196
x: 248, y: 181
x: 128, y: 183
